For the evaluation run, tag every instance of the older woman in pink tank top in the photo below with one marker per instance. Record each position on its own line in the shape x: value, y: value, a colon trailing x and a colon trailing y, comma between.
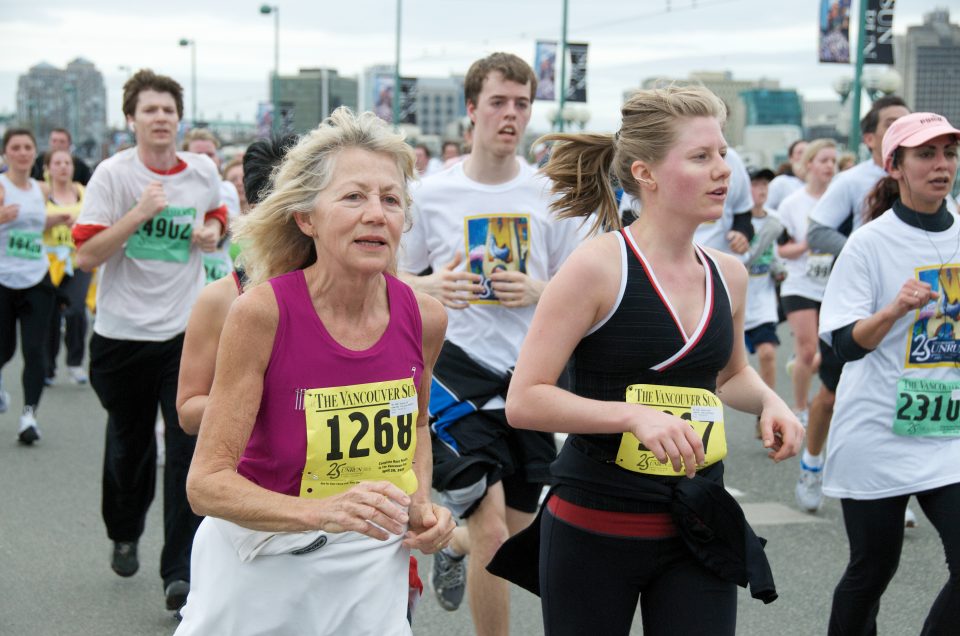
x: 308, y: 465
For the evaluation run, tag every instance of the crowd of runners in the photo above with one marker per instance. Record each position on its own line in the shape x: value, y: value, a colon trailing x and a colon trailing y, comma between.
x: 359, y: 353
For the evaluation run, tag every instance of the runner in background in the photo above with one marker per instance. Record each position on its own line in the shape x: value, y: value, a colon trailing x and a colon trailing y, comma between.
x: 72, y: 283
x: 765, y: 269
x: 890, y: 313
x: 807, y: 271
x: 148, y: 217
x: 26, y: 293
x: 789, y: 181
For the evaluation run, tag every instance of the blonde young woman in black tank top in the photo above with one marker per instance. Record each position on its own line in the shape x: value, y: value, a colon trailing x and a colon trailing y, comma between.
x: 650, y: 318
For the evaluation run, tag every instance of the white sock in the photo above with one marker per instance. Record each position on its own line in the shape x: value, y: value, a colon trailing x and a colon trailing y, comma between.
x: 812, y: 461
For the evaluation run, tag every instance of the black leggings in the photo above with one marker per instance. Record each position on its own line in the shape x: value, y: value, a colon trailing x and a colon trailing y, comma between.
x: 71, y: 308
x: 875, y: 532
x: 590, y: 583
x: 31, y: 307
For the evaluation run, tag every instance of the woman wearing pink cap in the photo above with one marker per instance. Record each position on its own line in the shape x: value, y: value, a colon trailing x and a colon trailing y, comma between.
x: 892, y: 312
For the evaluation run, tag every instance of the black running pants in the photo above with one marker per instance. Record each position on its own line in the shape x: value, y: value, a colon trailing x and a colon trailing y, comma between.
x: 31, y: 307
x: 875, y: 532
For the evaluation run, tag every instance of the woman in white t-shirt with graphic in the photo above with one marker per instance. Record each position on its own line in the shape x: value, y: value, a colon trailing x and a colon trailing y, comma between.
x: 807, y: 274
x: 26, y: 293
x: 891, y: 313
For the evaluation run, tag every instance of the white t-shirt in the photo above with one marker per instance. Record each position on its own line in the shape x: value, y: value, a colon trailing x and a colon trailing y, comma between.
x: 807, y: 274
x: 781, y: 187
x: 23, y: 261
x: 761, y: 304
x: 506, y: 226
x: 866, y: 459
x: 739, y: 199
x: 147, y: 299
x: 846, y: 194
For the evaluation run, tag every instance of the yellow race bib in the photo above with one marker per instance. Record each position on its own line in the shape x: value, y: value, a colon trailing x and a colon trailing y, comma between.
x: 701, y: 408
x: 362, y: 432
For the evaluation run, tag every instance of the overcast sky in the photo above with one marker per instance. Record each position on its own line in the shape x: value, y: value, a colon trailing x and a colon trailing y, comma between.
x: 629, y: 41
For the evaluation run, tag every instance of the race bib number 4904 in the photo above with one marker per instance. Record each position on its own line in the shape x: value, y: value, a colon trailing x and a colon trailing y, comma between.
x: 362, y: 432
x: 165, y: 237
x: 701, y: 408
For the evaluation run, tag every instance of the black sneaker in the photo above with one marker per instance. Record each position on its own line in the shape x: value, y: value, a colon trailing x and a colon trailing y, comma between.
x: 124, y: 561
x: 448, y: 579
x: 176, y: 592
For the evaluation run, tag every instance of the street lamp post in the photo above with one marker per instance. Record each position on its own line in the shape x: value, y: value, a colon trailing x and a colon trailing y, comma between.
x: 396, y: 70
x: 193, y: 77
x: 563, y: 69
x: 267, y: 9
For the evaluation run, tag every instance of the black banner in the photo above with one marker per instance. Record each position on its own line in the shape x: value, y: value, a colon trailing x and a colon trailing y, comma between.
x: 878, y: 36
x: 408, y: 100
x: 577, y: 88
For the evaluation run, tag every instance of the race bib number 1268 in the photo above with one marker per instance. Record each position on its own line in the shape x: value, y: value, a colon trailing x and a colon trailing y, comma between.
x: 362, y: 432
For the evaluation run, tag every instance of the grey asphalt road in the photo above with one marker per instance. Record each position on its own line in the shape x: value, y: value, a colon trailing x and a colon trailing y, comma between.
x: 55, y: 577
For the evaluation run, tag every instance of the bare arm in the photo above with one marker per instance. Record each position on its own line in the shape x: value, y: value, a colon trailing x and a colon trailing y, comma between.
x: 213, y: 485
x: 792, y: 250
x: 199, y: 356
x: 431, y: 526
x: 869, y: 332
x: 739, y: 385
x: 581, y: 293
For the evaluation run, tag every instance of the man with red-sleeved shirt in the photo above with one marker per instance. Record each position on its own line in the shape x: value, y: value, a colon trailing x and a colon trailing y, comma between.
x: 148, y: 214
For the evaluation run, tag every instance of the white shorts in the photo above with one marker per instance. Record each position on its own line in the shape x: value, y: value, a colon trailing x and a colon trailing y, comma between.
x: 245, y: 582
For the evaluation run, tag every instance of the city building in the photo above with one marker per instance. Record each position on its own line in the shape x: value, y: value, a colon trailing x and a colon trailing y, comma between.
x: 772, y: 106
x: 726, y: 88
x: 928, y: 60
x: 74, y: 98
x: 311, y: 95
x: 825, y: 118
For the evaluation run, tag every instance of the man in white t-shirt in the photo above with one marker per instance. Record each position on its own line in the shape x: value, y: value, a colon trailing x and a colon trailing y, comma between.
x: 838, y: 212
x: 148, y: 216
x: 483, y: 227
x: 203, y: 142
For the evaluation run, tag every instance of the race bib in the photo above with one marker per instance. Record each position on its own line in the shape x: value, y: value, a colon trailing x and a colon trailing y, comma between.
x: 165, y: 237
x: 26, y: 245
x: 215, y: 266
x: 496, y: 243
x: 819, y: 267
x: 927, y: 408
x: 59, y: 236
x: 363, y: 432
x: 701, y: 408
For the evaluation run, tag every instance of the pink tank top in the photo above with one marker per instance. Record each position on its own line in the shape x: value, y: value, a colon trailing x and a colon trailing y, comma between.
x: 330, y: 416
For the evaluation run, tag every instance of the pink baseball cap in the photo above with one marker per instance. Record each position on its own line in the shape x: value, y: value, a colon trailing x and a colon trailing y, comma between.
x: 914, y: 130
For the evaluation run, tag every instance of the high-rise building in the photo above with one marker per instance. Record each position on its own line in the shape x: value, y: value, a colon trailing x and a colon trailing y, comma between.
x: 928, y: 59
x: 74, y: 98
x: 312, y: 94
x: 771, y: 107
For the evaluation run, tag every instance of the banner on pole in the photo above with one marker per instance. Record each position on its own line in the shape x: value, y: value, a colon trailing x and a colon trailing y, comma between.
x: 545, y: 65
x: 408, y: 100
x: 577, y: 88
x: 383, y: 97
x: 878, y: 38
x: 835, y: 31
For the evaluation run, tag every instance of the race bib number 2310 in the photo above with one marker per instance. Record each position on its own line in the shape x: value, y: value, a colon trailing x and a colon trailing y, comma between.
x: 362, y: 432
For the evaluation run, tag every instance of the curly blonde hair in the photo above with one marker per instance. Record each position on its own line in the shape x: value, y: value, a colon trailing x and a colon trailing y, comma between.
x: 272, y: 242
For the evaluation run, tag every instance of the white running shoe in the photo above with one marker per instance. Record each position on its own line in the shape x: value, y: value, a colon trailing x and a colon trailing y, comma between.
x: 792, y: 362
x: 909, y: 518
x: 803, y: 416
x: 809, y: 490
x: 77, y: 375
x: 4, y: 399
x: 28, y: 432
